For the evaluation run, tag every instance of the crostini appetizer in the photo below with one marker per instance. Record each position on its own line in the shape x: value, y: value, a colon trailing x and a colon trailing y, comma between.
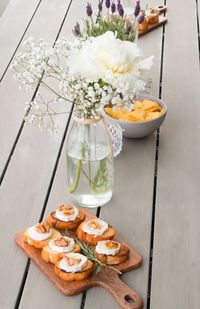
x: 111, y: 252
x: 66, y: 217
x: 152, y: 16
x: 57, y: 248
x: 40, y: 234
x: 74, y: 266
x: 94, y: 230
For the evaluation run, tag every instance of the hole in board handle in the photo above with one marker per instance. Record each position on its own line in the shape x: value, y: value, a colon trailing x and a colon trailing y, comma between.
x: 129, y: 299
x: 160, y: 6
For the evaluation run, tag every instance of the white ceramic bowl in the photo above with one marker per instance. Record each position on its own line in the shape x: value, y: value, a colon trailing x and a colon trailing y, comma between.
x: 143, y: 128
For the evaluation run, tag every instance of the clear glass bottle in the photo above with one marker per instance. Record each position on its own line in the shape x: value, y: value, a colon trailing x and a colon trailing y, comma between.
x: 90, y: 162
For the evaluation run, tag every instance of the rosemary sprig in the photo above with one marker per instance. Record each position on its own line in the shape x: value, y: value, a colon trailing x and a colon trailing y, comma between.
x: 88, y: 251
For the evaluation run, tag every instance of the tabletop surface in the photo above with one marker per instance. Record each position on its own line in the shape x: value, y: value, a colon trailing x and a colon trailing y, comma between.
x: 155, y: 206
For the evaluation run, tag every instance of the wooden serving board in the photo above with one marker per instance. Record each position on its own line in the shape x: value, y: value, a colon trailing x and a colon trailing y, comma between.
x: 162, y: 20
x: 161, y: 8
x: 108, y: 278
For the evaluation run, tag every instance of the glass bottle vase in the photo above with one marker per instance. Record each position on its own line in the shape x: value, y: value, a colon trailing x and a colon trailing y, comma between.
x: 89, y: 162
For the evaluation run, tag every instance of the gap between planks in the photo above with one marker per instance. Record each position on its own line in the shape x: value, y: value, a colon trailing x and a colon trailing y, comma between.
x: 155, y: 176
x: 98, y: 213
x: 34, y: 94
x: 1, y: 78
x: 198, y: 25
x: 11, y: 59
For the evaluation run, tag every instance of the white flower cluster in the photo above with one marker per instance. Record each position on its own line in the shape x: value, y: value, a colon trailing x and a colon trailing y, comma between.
x: 88, y: 73
x: 41, y: 114
x: 30, y: 66
x: 89, y: 98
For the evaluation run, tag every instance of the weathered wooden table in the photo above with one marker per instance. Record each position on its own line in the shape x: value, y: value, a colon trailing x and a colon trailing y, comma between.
x: 156, y: 201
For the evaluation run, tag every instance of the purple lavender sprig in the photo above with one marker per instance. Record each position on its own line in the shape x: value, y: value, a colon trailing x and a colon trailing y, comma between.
x: 113, y: 7
x: 77, y: 31
x: 89, y: 9
x: 141, y: 19
x: 120, y: 10
x: 137, y: 8
x: 100, y: 6
x: 118, y: 4
x: 107, y: 4
x: 128, y: 30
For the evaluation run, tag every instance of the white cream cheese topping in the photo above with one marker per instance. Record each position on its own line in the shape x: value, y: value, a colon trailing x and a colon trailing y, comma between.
x: 62, y: 249
x: 66, y: 213
x: 152, y: 12
x: 108, y: 247
x: 95, y: 227
x: 36, y: 235
x: 73, y: 262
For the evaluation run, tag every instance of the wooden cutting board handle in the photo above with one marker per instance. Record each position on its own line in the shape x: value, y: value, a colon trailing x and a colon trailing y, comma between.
x: 126, y: 297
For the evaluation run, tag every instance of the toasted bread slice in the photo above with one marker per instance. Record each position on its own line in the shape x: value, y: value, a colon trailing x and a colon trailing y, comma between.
x: 62, y: 225
x: 50, y: 256
x: 40, y: 244
x: 86, y: 271
x: 91, y: 239
x: 116, y: 259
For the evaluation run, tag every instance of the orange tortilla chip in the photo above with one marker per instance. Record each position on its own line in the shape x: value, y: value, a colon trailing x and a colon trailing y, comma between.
x: 138, y: 105
x: 143, y: 111
x: 139, y: 115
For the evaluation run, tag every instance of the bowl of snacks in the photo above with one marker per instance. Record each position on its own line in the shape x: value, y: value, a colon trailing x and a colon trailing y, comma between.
x: 140, y: 120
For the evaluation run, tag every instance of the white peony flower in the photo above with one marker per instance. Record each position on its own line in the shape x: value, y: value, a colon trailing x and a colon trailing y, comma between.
x: 112, y: 60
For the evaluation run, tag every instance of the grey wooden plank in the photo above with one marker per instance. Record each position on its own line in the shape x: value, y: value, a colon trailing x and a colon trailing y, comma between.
x: 25, y: 185
x: 130, y: 210
x: 176, y: 271
x: 12, y: 26
x: 3, y: 5
x: 40, y: 292
x: 12, y: 102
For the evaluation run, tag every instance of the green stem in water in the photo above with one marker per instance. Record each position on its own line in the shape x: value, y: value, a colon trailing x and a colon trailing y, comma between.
x: 100, y: 181
x: 73, y: 188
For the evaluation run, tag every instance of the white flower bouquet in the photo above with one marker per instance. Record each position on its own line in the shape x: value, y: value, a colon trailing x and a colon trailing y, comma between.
x: 88, y: 73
